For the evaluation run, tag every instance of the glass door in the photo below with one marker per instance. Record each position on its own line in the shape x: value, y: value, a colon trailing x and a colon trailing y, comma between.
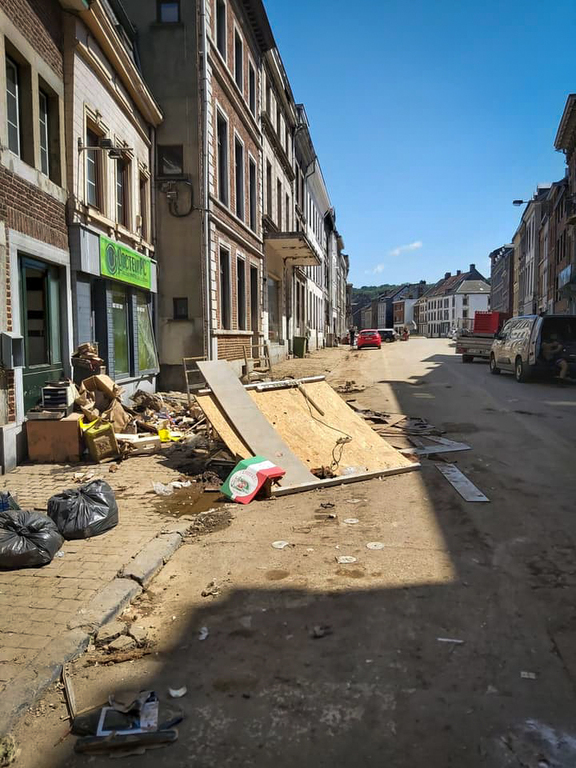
x: 41, y: 327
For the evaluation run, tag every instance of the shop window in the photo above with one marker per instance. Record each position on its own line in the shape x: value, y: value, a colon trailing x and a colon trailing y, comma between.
x: 223, y: 171
x: 252, y: 88
x: 94, y: 160
x: 252, y: 191
x: 120, y: 332
x: 221, y: 27
x: 241, y: 292
x: 123, y: 192
x: 13, y: 105
x: 168, y: 11
x: 170, y: 160
x: 180, y: 308
x: 239, y: 177
x: 225, y: 314
x: 147, y: 356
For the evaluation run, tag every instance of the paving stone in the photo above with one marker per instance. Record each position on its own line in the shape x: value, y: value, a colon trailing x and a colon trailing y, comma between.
x: 122, y: 643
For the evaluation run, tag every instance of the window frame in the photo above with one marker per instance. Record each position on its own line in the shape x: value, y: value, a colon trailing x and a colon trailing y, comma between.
x: 223, y: 153
x: 176, y: 313
x: 238, y: 60
x: 252, y: 193
x: 94, y: 156
x: 124, y: 175
x: 9, y: 62
x: 160, y: 157
x: 225, y: 288
x: 239, y: 179
x: 160, y: 3
x: 241, y: 303
x: 44, y: 112
x: 221, y: 30
x: 143, y: 181
x: 252, y: 88
x: 279, y: 190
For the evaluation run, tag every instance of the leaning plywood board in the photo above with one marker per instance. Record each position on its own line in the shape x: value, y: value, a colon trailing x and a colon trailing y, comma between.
x: 248, y: 421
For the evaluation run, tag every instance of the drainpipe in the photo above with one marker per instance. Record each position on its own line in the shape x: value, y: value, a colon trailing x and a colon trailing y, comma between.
x: 210, y: 348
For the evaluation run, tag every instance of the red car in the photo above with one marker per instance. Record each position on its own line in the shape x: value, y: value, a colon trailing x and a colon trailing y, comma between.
x: 369, y: 338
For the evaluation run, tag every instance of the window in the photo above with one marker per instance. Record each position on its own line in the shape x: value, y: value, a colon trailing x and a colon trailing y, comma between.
x: 13, y: 106
x: 222, y: 136
x: 268, y: 101
x: 241, y: 292
x: 287, y: 213
x: 268, y: 188
x: 93, y: 171
x: 144, y: 207
x: 43, y: 119
x: 279, y: 203
x: 279, y: 122
x: 239, y: 177
x: 122, y: 192
x: 238, y: 61
x: 120, y: 332
x: 224, y: 289
x: 169, y: 11
x: 147, y: 356
x: 170, y: 160
x: 251, y: 88
x: 221, y: 27
x: 252, y: 194
x: 273, y: 309
x: 180, y: 308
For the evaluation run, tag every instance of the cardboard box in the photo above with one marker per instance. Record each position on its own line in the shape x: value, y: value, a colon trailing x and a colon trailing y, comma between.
x: 50, y: 441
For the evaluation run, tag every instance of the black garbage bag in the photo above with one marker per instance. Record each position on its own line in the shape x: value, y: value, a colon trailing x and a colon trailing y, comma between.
x: 27, y: 539
x: 86, y: 511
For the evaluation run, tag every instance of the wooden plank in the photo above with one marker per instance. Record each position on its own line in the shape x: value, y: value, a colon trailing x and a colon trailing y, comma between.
x: 343, y: 480
x: 250, y: 423
x: 460, y: 482
x: 220, y: 423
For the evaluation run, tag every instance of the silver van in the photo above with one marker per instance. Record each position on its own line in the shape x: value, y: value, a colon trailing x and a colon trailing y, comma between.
x: 517, y: 348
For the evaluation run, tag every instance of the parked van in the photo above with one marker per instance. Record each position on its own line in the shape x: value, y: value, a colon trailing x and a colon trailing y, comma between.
x: 517, y: 348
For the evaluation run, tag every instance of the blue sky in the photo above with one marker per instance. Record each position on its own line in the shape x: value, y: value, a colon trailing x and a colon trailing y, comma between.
x: 429, y: 117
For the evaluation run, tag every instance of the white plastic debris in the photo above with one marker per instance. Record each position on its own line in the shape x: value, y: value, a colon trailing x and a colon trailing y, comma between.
x: 177, y: 693
x: 375, y: 545
x: 528, y: 675
x: 167, y: 490
x: 353, y: 501
x: 346, y: 559
x: 351, y: 520
x: 449, y: 640
x: 280, y: 544
x: 203, y: 634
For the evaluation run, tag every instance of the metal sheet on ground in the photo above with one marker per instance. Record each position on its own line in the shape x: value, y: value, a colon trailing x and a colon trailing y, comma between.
x: 460, y: 482
x: 249, y: 422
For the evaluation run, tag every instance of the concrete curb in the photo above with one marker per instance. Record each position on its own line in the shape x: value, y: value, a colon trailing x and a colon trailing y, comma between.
x: 32, y: 682
x: 108, y: 603
x: 152, y: 558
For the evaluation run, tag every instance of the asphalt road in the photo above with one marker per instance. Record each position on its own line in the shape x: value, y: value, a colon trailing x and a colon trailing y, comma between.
x: 312, y: 663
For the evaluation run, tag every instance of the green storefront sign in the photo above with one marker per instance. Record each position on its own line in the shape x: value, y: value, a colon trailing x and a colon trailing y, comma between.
x: 121, y: 263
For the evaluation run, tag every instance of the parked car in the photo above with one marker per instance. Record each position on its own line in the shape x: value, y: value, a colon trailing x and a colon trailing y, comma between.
x: 387, y: 334
x: 369, y: 338
x: 517, y: 348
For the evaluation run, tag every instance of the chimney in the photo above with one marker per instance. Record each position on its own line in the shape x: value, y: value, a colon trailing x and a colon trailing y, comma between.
x: 458, y: 272
x: 472, y: 267
x: 422, y: 282
x: 447, y: 275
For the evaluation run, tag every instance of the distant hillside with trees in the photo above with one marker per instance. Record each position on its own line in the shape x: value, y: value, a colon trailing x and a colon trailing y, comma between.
x: 361, y: 296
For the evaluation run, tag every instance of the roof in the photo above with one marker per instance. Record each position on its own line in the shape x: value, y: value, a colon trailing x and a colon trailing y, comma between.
x: 566, y: 134
x: 473, y: 286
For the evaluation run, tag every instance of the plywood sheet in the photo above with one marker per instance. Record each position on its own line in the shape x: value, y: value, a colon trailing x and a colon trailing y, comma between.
x: 313, y: 437
x: 251, y: 423
x: 220, y: 423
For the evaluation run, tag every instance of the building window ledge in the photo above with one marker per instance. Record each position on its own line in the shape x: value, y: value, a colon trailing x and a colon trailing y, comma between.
x: 32, y: 175
x: 223, y: 332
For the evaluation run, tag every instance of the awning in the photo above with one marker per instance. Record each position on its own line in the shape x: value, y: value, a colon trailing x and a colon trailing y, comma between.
x: 292, y: 246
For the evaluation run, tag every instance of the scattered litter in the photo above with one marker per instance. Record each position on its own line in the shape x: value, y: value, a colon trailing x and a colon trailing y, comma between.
x: 460, y: 482
x: 345, y: 559
x: 211, y: 590
x: 351, y: 520
x: 327, y: 505
x: 354, y: 501
x: 375, y: 545
x: 249, y: 477
x: 310, y: 549
x: 27, y: 539
x: 177, y: 693
x: 167, y: 490
x: 353, y: 470
x: 68, y: 693
x: 280, y: 544
x: 321, y: 630
x: 449, y: 640
x: 528, y: 675
x: 89, y: 510
x: 350, y: 387
x: 59, y: 554
x: 203, y: 634
x: 246, y: 622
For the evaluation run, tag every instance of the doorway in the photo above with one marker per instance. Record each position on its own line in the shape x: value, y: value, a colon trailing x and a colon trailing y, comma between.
x: 41, y: 327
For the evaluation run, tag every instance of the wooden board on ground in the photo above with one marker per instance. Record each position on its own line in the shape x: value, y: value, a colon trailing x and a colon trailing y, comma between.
x: 313, y: 438
x: 249, y: 421
x: 460, y: 482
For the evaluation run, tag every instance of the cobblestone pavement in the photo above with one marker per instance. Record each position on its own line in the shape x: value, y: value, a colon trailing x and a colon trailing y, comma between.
x: 36, y: 604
